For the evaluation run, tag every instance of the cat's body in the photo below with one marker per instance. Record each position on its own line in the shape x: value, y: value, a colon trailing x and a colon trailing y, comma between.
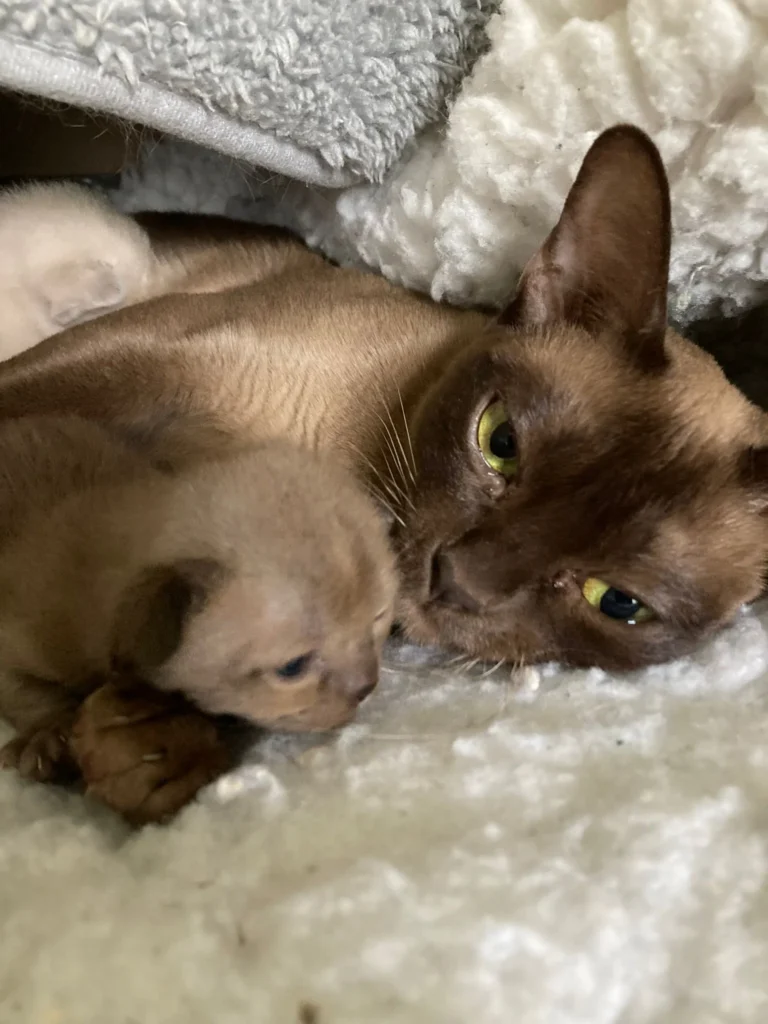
x: 572, y: 481
x: 256, y: 585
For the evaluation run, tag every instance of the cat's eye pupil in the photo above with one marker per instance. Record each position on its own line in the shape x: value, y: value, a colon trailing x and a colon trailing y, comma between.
x: 502, y: 441
x: 618, y: 605
x: 293, y: 668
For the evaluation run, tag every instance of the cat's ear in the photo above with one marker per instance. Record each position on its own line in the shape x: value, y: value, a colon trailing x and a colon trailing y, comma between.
x: 154, y: 611
x: 606, y: 264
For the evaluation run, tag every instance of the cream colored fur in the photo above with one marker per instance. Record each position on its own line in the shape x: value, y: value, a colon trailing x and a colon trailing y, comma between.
x: 74, y: 257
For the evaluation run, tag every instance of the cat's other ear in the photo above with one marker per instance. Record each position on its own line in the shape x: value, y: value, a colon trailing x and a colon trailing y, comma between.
x: 155, y: 610
x: 606, y: 263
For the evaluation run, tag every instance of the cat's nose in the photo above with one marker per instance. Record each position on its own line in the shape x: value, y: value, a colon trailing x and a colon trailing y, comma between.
x: 445, y: 586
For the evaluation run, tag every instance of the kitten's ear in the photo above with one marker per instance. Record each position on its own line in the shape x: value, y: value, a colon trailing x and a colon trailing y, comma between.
x: 606, y: 264
x: 155, y: 610
x: 754, y: 476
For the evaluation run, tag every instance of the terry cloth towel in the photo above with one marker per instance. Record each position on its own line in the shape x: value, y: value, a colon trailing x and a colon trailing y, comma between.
x: 324, y: 91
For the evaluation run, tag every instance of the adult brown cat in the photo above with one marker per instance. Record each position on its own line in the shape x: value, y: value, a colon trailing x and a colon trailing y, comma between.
x: 571, y: 480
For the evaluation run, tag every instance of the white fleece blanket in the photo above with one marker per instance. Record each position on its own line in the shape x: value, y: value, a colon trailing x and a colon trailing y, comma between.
x: 574, y: 849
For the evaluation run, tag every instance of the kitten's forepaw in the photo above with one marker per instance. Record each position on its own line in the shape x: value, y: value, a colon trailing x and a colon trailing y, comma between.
x: 42, y: 755
x: 144, y: 753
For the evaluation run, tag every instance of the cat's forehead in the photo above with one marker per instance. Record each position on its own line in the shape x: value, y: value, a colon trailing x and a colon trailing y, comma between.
x: 564, y: 377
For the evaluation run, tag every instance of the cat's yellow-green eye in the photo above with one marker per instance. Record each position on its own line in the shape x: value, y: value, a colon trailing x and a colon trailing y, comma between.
x: 496, y: 440
x: 615, y: 603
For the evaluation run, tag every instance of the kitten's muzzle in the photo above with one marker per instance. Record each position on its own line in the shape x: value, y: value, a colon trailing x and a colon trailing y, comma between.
x: 357, y: 679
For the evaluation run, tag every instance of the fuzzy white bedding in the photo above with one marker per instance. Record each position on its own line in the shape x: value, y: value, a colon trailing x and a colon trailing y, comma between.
x: 569, y: 848
x: 575, y: 850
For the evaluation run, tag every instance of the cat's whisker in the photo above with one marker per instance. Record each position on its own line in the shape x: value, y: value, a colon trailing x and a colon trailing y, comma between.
x: 407, y: 435
x: 395, y: 444
x: 394, y: 736
x: 382, y: 482
x: 379, y: 497
x: 410, y: 463
x: 458, y: 660
x: 493, y: 669
x: 394, y: 500
x: 398, y: 458
x: 404, y: 496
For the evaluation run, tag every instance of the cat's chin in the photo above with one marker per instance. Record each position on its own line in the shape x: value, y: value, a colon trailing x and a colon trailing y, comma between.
x: 432, y: 623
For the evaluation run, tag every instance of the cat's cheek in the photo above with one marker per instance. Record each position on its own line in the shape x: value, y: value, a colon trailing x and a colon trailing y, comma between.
x: 416, y: 625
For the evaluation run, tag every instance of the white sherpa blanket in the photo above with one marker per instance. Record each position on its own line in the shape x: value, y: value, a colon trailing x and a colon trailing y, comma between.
x: 591, y: 851
x: 581, y: 849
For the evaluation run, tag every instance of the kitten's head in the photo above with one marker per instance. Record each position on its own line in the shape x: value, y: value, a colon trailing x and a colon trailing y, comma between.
x: 591, y: 489
x: 279, y: 605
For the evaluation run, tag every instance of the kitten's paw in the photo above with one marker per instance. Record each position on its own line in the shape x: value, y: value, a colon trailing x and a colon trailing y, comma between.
x: 144, y: 753
x: 66, y: 256
x: 43, y: 754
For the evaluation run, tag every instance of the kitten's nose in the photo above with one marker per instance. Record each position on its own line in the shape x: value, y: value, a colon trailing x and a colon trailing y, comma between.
x: 445, y: 587
x: 358, y: 679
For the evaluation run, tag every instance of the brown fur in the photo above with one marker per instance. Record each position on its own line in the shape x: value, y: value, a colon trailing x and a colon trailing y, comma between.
x: 638, y: 462
x: 204, y: 582
x: 145, y: 753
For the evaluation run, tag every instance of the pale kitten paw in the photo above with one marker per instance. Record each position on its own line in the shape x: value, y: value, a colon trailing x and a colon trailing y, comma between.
x: 66, y: 256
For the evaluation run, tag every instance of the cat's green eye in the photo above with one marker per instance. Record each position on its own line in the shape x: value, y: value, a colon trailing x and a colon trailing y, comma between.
x: 615, y: 603
x: 496, y: 440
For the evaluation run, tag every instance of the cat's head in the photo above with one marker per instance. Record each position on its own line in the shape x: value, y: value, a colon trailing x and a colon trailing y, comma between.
x: 279, y: 612
x: 590, y: 487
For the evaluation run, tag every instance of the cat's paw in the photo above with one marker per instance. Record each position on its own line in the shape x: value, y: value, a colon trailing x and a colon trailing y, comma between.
x: 43, y: 754
x: 145, y: 753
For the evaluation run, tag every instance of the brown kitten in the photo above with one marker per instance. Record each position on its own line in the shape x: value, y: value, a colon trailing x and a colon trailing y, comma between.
x: 258, y: 585
x: 572, y: 481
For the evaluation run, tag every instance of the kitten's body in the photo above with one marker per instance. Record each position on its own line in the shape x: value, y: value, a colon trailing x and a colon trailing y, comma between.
x: 205, y: 582
x: 636, y: 458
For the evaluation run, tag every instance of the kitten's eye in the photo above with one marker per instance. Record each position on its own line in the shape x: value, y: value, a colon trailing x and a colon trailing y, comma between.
x: 496, y: 440
x: 294, y: 668
x: 615, y: 603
